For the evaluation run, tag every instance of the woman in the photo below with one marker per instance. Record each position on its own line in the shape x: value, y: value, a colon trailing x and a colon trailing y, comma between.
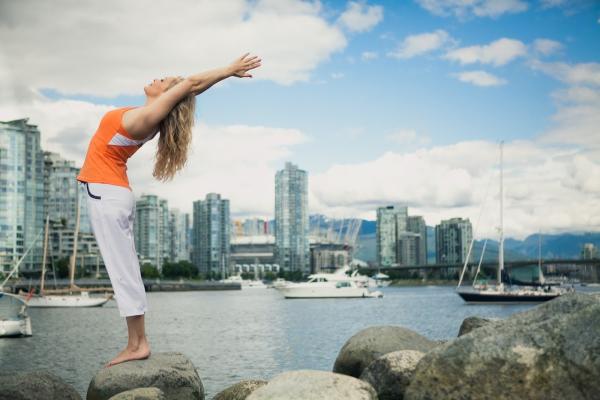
x: 169, y: 109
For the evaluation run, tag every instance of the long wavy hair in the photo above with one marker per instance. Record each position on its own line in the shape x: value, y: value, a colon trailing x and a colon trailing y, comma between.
x: 175, y: 137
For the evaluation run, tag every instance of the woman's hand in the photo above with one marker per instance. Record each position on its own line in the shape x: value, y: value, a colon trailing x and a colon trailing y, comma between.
x: 242, y: 65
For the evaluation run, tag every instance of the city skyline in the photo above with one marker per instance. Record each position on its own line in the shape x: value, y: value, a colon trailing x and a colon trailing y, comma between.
x: 385, y: 103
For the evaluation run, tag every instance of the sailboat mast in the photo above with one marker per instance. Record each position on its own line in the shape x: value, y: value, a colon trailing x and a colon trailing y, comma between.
x: 43, y: 278
x: 74, y: 255
x: 501, y: 250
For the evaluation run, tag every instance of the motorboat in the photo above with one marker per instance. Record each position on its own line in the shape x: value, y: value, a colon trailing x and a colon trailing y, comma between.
x: 345, y: 273
x: 321, y: 287
x: 278, y: 283
x: 14, y: 321
x: 245, y: 283
x: 381, y: 279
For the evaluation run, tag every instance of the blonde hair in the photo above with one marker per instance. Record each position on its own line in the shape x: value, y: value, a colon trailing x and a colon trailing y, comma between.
x: 175, y: 137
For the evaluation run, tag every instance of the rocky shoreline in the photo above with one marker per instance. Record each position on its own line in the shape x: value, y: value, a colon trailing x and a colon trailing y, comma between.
x: 551, y: 351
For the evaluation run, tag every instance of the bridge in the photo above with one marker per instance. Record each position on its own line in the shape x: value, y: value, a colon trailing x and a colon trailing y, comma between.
x: 485, y: 265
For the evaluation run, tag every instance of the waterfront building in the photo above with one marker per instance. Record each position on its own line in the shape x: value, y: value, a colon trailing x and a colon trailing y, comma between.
x: 291, y: 219
x: 179, y: 226
x: 211, y: 235
x: 390, y: 220
x: 401, y: 239
x: 21, y: 194
x: 417, y: 227
x: 151, y: 230
x: 452, y: 240
x: 590, y: 272
x: 253, y: 254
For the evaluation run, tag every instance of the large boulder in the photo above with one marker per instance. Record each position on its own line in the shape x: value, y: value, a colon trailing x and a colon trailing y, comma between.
x: 314, y: 385
x: 240, y: 391
x: 371, y: 343
x: 173, y: 373
x: 390, y: 374
x: 549, y: 352
x: 37, y: 385
x: 150, y: 393
x: 471, y: 323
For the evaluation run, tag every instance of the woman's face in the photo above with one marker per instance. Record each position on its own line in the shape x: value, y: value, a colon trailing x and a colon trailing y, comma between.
x: 158, y: 86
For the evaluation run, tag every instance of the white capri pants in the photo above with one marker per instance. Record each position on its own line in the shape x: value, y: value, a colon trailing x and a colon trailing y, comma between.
x: 111, y: 210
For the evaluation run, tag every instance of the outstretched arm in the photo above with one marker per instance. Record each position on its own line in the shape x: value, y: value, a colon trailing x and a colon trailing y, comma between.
x: 143, y: 121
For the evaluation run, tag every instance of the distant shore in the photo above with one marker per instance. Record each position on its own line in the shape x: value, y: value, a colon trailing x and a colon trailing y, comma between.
x: 420, y: 282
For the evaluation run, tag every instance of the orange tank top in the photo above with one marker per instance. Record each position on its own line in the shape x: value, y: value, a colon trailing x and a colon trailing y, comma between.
x: 108, y: 151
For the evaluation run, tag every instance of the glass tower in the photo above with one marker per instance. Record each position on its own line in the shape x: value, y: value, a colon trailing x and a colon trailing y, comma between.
x: 211, y: 235
x: 151, y: 227
x: 291, y: 219
x: 21, y: 194
x: 452, y: 240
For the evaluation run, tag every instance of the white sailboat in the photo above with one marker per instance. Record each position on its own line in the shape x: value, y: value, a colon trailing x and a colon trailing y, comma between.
x: 500, y: 293
x: 72, y: 297
x: 14, y: 320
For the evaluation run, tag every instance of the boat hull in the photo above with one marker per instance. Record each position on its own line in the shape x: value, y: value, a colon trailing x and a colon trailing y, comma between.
x: 66, y: 301
x: 326, y: 293
x: 15, y: 327
x: 505, y: 298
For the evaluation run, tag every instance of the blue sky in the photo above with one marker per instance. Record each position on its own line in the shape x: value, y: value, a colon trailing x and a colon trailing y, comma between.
x: 420, y: 127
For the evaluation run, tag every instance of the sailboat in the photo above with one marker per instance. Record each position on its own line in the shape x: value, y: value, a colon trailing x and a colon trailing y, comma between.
x: 74, y: 296
x: 501, y: 293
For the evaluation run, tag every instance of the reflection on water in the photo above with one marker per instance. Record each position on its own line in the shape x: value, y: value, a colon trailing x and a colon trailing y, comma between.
x: 233, y: 335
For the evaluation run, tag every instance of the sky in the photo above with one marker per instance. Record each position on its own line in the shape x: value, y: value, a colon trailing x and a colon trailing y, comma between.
x: 381, y: 102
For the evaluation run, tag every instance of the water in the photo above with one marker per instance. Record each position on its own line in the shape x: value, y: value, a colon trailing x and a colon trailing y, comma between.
x: 233, y: 335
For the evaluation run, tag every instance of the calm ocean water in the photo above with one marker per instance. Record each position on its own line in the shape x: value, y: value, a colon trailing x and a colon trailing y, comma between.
x: 233, y: 335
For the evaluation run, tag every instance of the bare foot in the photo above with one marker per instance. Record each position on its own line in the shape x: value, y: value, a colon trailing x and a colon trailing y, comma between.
x: 140, y: 352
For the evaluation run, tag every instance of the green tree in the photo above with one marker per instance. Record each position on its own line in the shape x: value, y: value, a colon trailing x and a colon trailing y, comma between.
x: 149, y: 271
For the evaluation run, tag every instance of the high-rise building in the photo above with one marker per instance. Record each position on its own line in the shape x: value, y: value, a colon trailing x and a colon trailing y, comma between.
x: 589, y: 251
x: 390, y: 220
x: 291, y: 219
x: 151, y: 230
x: 179, y: 225
x: 401, y: 239
x: 417, y: 226
x: 21, y: 194
x: 211, y: 235
x: 452, y: 240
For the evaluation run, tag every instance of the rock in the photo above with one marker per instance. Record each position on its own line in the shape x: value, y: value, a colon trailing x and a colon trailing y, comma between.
x: 390, y: 374
x: 314, y: 385
x: 37, y: 385
x: 240, y: 391
x: 149, y: 393
x: 471, y: 323
x: 371, y: 343
x: 173, y: 373
x: 549, y: 352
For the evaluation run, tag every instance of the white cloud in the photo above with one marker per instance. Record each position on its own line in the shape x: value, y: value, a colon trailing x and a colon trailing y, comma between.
x: 369, y: 55
x: 498, y: 52
x: 546, y: 47
x: 407, y: 137
x: 477, y: 8
x: 359, y: 17
x: 575, y: 74
x: 480, y: 78
x: 553, y: 3
x: 114, y: 47
x: 449, y: 181
x: 238, y: 161
x: 415, y: 45
x: 337, y: 75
